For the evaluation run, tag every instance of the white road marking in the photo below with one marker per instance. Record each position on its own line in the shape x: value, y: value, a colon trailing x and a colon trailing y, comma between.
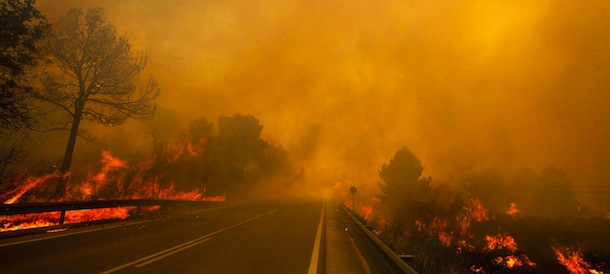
x: 105, y: 226
x: 172, y: 250
x: 315, y: 254
x: 73, y: 233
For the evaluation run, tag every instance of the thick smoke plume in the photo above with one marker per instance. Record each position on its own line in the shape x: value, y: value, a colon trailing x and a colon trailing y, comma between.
x: 470, y: 87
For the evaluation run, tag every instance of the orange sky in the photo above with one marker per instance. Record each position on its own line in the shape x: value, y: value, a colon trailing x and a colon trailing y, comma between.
x: 467, y: 85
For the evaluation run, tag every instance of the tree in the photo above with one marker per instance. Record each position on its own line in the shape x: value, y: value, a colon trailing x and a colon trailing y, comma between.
x: 239, y: 150
x: 94, y: 78
x: 401, y: 180
x: 200, y: 129
x: 21, y: 28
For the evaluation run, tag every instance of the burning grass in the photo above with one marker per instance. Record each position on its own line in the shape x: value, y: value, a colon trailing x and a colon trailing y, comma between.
x: 470, y: 239
x: 467, y: 242
x: 115, y: 179
x: 36, y: 220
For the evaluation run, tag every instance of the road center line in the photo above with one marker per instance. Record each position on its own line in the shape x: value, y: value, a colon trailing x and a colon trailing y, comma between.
x: 315, y: 254
x: 171, y: 252
x: 185, y: 245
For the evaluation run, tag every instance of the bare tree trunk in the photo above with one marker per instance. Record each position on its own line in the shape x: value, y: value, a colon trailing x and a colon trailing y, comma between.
x: 60, y: 191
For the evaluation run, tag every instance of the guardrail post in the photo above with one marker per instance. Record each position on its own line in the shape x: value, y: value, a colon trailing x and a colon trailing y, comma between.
x: 62, y: 217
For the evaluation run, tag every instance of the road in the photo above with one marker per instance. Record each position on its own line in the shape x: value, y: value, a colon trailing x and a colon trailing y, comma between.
x: 256, y: 237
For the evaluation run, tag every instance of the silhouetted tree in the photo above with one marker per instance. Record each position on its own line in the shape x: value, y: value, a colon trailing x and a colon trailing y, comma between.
x: 200, y: 129
x: 239, y: 149
x: 94, y: 78
x: 21, y: 28
x: 401, y: 182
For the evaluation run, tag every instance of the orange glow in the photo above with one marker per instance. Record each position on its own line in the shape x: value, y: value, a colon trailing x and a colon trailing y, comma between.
x: 512, y: 210
x: 173, y: 152
x: 219, y: 198
x: 191, y: 149
x: 464, y: 245
x: 445, y: 238
x: 366, y: 212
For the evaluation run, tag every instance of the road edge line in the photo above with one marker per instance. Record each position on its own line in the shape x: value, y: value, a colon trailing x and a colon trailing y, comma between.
x: 315, y: 254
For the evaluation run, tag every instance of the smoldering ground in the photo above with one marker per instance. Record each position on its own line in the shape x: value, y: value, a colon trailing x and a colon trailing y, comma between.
x: 468, y: 86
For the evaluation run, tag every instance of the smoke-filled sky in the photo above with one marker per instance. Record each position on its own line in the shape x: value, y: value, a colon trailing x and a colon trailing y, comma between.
x: 467, y: 85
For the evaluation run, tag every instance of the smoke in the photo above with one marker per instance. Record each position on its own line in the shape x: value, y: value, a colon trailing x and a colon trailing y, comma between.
x: 468, y: 86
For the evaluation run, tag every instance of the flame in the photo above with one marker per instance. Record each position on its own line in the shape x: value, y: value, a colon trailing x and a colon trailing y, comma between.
x: 110, y: 163
x: 438, y: 226
x: 87, y: 215
x: 24, y: 221
x: 607, y: 217
x: 476, y: 211
x: 512, y: 210
x: 92, y: 185
x: 472, y: 211
x: 366, y: 212
x: 174, y: 151
x: 95, y: 182
x: 29, y: 184
x: 190, y: 149
x: 512, y: 261
x: 573, y: 260
x: 454, y: 232
x: 501, y: 241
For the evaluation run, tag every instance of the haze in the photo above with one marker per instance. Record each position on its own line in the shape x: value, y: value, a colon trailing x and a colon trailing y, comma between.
x: 469, y: 86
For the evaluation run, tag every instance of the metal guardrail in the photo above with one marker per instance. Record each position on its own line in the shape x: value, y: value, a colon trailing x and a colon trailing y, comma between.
x: 380, y: 257
x: 27, y: 208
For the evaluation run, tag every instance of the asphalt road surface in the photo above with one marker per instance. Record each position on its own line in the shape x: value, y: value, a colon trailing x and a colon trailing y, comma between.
x: 257, y: 237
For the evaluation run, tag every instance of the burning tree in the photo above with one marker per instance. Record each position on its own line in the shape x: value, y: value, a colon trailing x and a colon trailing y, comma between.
x: 94, y: 78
